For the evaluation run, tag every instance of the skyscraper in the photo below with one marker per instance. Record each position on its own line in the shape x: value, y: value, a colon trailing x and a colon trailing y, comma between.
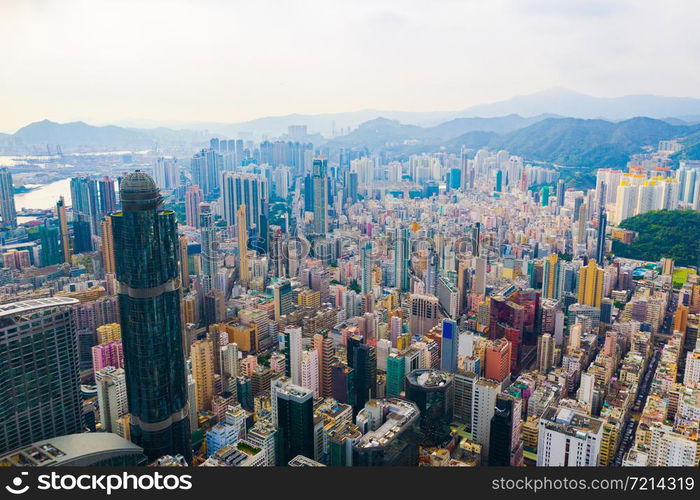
x: 568, y: 437
x: 145, y: 238
x: 498, y: 360
x: 581, y: 226
x: 479, y: 276
x: 449, y: 348
x: 283, y: 298
x: 505, y: 447
x: 323, y: 343
x: 402, y: 258
x: 590, y: 284
x: 550, y: 277
x: 366, y: 268
x: 107, y: 249
x: 242, y: 227
x: 464, y: 395
x: 483, y: 407
x: 293, y: 415
x: 209, y: 245
x: 545, y: 353
x: 293, y: 351
x: 193, y: 199
x: 108, y: 197
x: 423, y: 310
x: 49, y: 236
x: 184, y: 261
x: 63, y: 228
x: 561, y: 191
x: 202, y: 356
x: 85, y: 201
x: 433, y: 392
x: 251, y: 190
x: 395, y: 375
x: 39, y: 383
x: 166, y: 174
x: 206, y: 166
x: 8, y: 213
x: 600, y: 241
x: 320, y: 190
x: 363, y: 359
x: 111, y: 397
x: 431, y: 272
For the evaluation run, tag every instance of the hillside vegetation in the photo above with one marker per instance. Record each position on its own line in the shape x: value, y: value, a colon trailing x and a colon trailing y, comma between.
x: 663, y: 233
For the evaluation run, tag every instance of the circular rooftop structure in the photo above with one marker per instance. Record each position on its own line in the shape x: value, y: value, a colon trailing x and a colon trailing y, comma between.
x: 138, y: 191
x: 137, y: 182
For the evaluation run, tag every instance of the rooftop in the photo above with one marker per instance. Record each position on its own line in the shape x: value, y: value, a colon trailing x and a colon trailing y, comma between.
x: 429, y: 378
x: 34, y: 304
x: 72, y: 449
x: 401, y: 414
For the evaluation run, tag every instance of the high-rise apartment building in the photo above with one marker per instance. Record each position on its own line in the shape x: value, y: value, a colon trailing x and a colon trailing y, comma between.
x: 550, y: 277
x: 111, y: 397
x: 202, y: 357
x: 423, y: 314
x: 39, y: 383
x: 568, y: 438
x: 590, y: 284
x: 193, y: 200
x: 107, y: 245
x: 209, y: 254
x: 242, y: 228
x: 8, y: 213
x: 483, y: 407
x: 402, y: 258
x: 498, y: 360
x: 251, y: 190
x: 66, y: 247
x: 320, y: 195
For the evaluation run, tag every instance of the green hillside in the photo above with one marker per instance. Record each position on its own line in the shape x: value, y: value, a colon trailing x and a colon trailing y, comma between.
x: 663, y: 233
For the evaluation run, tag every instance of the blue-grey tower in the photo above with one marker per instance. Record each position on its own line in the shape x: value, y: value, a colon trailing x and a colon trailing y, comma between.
x: 146, y: 258
x: 449, y: 348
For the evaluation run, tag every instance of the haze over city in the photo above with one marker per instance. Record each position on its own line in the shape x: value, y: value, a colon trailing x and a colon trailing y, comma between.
x: 170, y: 62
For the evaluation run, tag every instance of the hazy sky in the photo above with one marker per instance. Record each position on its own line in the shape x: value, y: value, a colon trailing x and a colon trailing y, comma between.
x: 224, y: 60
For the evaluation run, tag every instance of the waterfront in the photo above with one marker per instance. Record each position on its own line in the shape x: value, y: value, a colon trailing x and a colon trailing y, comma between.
x: 44, y: 196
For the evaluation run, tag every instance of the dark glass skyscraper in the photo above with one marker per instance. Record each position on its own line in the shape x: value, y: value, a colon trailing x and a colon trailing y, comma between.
x: 146, y: 243
x: 39, y: 383
x: 50, y: 245
x: 600, y: 241
x: 433, y: 393
x: 363, y: 359
x: 86, y: 206
x: 293, y: 414
x: 501, y: 445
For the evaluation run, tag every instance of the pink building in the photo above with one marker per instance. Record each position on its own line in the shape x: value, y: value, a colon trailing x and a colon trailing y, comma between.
x: 107, y: 354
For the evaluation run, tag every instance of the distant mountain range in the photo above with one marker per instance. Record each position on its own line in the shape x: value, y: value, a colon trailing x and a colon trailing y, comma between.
x: 539, y: 131
x: 79, y: 136
x: 564, y: 141
x: 555, y: 101
x: 567, y: 102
